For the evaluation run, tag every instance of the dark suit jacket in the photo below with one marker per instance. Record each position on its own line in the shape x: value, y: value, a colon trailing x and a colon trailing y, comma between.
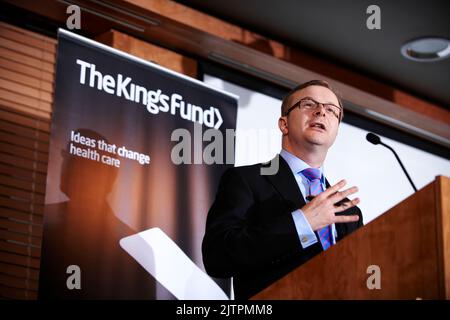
x: 250, y: 234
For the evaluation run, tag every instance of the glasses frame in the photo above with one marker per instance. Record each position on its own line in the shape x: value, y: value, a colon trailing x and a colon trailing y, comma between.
x: 297, y: 104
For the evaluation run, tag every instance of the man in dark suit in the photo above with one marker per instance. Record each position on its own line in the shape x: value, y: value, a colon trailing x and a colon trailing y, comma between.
x: 264, y: 222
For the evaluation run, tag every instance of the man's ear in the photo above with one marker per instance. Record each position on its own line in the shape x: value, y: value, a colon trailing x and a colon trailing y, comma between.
x: 283, y: 125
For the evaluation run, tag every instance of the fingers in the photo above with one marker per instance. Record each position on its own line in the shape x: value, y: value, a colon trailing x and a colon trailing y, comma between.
x: 345, y: 219
x: 346, y: 205
x: 338, y: 196
x: 333, y: 189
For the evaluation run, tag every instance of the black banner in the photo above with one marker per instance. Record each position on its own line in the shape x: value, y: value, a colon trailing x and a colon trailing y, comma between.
x: 130, y: 151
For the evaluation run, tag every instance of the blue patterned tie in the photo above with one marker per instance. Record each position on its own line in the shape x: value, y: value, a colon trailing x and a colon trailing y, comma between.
x: 315, y: 187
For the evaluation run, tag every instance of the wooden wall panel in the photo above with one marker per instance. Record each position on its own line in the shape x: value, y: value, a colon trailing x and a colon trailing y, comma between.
x: 443, y: 234
x: 27, y: 72
x: 150, y: 52
x: 213, y: 25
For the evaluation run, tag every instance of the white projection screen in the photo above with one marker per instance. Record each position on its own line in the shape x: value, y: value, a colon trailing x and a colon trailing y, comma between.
x: 373, y: 169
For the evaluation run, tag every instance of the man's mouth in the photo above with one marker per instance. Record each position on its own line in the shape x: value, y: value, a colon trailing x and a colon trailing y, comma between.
x: 317, y: 125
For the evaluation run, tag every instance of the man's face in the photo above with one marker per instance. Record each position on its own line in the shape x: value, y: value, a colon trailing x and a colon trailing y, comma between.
x: 314, y: 127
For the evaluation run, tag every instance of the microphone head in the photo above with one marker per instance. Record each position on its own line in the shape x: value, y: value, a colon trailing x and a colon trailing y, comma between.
x: 373, y: 138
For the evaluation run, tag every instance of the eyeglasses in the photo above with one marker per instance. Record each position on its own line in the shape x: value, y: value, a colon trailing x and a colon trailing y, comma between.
x: 308, y: 103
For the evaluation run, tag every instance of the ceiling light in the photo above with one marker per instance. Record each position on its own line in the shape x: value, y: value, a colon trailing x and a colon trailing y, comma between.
x: 426, y: 49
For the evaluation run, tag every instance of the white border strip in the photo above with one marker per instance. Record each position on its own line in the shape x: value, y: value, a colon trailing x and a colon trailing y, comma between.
x: 142, y: 61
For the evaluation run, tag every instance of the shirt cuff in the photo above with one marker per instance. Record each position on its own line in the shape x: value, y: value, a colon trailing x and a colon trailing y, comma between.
x: 305, y: 233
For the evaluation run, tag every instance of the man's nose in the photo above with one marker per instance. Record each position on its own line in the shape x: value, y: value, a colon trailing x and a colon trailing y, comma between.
x: 319, y: 110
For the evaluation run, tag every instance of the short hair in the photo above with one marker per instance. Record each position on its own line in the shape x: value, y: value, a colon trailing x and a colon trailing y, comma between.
x: 322, y: 83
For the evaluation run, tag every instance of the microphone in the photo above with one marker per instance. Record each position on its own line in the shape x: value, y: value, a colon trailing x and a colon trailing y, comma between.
x: 374, y: 139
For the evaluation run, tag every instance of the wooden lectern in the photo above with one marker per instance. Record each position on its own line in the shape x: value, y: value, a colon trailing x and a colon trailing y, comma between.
x: 410, y: 243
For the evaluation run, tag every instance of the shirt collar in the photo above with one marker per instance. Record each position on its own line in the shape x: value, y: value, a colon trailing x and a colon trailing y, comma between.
x: 296, y: 164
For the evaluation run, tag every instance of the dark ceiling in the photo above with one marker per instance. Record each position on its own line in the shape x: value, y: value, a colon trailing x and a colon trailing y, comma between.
x: 336, y: 31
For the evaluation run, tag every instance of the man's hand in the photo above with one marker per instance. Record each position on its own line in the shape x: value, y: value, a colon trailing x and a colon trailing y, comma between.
x: 321, y: 211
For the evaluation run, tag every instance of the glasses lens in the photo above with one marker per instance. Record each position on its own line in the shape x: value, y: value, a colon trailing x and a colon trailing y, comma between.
x: 308, y: 104
x: 332, y: 109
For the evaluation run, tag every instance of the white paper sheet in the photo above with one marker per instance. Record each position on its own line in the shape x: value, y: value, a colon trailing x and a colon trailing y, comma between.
x: 170, y: 266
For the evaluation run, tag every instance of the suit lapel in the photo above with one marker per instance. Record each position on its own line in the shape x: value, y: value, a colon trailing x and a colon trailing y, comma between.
x: 286, y: 185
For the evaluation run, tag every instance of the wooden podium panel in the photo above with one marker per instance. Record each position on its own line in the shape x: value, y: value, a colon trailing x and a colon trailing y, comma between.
x: 410, y: 244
